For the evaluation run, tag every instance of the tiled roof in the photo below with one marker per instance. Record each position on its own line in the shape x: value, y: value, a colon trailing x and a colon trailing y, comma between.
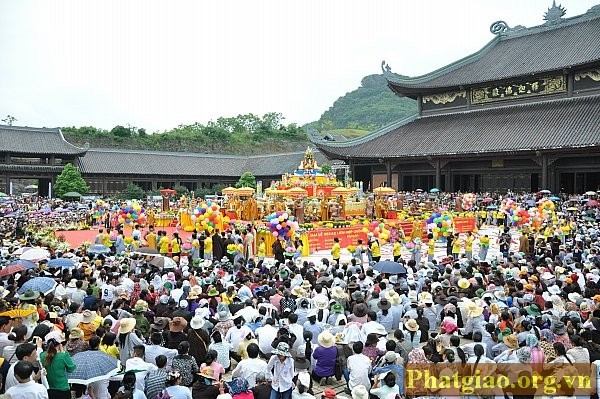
x: 28, y: 140
x: 518, y: 52
x: 140, y: 163
x: 552, y: 124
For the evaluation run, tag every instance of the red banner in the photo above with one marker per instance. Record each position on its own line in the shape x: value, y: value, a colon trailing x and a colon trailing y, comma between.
x: 322, y: 239
x: 463, y: 225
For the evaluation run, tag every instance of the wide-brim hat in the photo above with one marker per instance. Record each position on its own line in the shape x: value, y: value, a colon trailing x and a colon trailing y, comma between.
x: 463, y: 283
x: 511, y: 341
x: 76, y: 333
x: 337, y: 308
x: 500, y: 295
x: 326, y: 339
x: 559, y: 328
x: 475, y: 311
x: 321, y: 301
x: 197, y: 322
x: 360, y: 310
x: 384, y: 304
x: 411, y: 325
x: 298, y: 291
x: 301, y: 362
x: 534, y: 310
x: 212, y: 292
x: 88, y: 316
x: 160, y: 323
x: 338, y: 293
x: 208, y: 372
x: 283, y: 349
x: 393, y: 297
x: 126, y: 325
x: 374, y: 328
x: 29, y: 295
x: 360, y: 392
x: 178, y: 324
x: 574, y: 297
x: 72, y: 283
x: 306, y: 284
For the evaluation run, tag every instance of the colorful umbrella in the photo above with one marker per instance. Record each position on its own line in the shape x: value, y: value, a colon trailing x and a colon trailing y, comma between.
x: 98, y: 249
x: 147, y: 251
x: 544, y: 192
x: 590, y: 193
x: 92, y: 366
x: 592, y: 203
x: 488, y: 199
x: 25, y: 263
x: 11, y: 269
x: 492, y: 207
x: 387, y: 266
x: 16, y: 313
x: 554, y: 198
x: 35, y: 254
x: 63, y: 263
x: 39, y: 284
x: 434, y: 190
x: 21, y: 250
x: 163, y: 262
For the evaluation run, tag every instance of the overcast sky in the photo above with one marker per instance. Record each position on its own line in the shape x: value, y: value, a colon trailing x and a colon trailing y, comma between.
x: 158, y: 64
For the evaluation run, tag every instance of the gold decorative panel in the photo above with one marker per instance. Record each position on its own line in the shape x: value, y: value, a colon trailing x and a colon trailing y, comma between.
x: 538, y: 87
x: 593, y: 74
x: 445, y: 98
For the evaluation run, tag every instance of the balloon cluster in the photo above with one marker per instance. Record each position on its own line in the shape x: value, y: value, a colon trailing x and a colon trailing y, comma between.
x: 519, y: 217
x: 546, y: 208
x: 282, y: 224
x: 131, y: 213
x: 206, y: 216
x: 378, y: 229
x: 98, y: 207
x: 439, y: 223
x: 508, y: 204
x: 468, y: 200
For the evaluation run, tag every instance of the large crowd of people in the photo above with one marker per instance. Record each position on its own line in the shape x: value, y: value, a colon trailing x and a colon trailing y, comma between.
x: 234, y: 323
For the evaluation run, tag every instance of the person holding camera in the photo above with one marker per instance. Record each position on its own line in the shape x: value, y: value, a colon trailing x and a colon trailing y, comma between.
x: 57, y: 362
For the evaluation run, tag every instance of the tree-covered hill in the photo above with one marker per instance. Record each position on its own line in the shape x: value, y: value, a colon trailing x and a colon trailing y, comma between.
x: 369, y: 107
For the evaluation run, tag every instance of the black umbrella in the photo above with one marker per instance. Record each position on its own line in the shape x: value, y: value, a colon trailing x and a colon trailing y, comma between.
x: 387, y: 266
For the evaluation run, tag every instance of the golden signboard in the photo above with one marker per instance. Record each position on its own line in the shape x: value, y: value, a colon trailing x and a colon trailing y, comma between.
x: 538, y: 87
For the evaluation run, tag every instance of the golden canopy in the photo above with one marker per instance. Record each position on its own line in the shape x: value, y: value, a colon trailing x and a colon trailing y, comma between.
x: 384, y: 191
x: 228, y: 190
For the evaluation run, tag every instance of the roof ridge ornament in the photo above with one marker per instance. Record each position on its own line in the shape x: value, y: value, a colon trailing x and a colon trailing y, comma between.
x: 554, y: 14
x: 499, y: 28
x: 385, y: 68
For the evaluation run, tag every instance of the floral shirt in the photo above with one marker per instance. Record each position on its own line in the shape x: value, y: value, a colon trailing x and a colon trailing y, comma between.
x: 187, y: 366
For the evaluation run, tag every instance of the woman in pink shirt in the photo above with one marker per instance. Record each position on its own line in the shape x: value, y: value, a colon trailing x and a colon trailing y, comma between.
x: 211, y: 361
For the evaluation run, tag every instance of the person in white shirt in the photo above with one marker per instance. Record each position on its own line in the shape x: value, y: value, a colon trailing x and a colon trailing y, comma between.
x: 236, y: 334
x: 295, y: 329
x: 136, y: 362
x: 5, y: 326
x: 108, y: 290
x: 266, y: 335
x: 251, y: 367
x: 26, y: 389
x: 359, y: 368
x: 244, y: 293
x: 29, y: 353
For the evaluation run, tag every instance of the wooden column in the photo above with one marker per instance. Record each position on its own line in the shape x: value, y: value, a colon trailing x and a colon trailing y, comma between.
x: 438, y: 174
x: 388, y: 171
x: 544, y: 172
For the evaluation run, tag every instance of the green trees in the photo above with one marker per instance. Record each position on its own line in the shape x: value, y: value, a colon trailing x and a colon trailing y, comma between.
x: 133, y: 191
x: 70, y: 180
x: 326, y: 168
x: 247, y: 179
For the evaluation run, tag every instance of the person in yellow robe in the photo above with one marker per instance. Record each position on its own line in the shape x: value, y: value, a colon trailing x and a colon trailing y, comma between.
x: 208, y: 247
x: 469, y: 245
x: 336, y: 250
x: 397, y: 250
x: 430, y: 247
x: 262, y: 250
x: 163, y: 243
x: 456, y: 244
x: 151, y: 238
x: 324, y: 210
x: 375, y: 251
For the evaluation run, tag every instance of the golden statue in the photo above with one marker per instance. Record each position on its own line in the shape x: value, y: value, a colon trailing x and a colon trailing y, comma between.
x: 308, y: 163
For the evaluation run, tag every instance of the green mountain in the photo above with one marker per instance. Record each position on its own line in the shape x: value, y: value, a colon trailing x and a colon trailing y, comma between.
x: 369, y: 107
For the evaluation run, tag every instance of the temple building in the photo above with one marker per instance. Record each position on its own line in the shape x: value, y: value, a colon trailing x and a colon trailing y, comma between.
x: 521, y: 114
x: 41, y: 154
